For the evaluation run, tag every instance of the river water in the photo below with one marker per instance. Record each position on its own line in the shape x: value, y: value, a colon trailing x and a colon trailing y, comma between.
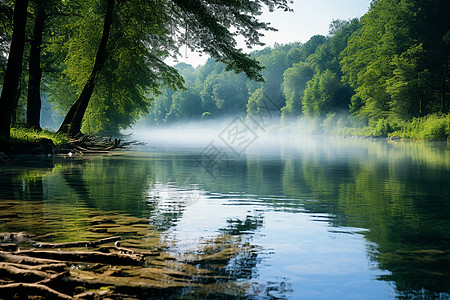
x: 306, y: 218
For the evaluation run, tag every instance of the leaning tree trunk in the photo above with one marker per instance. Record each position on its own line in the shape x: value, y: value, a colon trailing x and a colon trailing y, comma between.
x: 72, y: 122
x: 444, y: 88
x: 14, y: 66
x: 35, y: 72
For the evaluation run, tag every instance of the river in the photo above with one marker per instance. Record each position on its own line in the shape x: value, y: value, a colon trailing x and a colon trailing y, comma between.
x: 303, y: 218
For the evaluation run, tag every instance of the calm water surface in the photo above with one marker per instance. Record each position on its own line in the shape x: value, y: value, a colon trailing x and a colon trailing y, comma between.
x: 315, y: 218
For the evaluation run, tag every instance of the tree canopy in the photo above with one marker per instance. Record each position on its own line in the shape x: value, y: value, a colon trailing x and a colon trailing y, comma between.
x: 113, y: 51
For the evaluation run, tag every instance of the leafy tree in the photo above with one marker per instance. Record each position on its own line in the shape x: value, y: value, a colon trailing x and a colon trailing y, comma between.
x: 253, y: 102
x: 431, y: 27
x: 230, y: 95
x: 275, y: 63
x: 206, y: 26
x: 366, y: 59
x: 14, y: 66
x: 223, y: 92
x: 6, y: 16
x: 389, y: 60
x: 186, y: 105
x: 72, y: 123
x: 325, y: 93
x: 35, y: 71
x: 407, y: 86
x: 295, y: 80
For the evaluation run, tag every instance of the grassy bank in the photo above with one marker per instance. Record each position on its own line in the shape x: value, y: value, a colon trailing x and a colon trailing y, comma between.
x: 30, y: 141
x: 26, y: 135
x: 434, y: 127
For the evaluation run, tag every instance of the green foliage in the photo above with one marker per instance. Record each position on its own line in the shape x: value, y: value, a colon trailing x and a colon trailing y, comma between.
x: 143, y: 34
x: 434, y: 127
x: 253, y: 101
x: 325, y: 93
x: 407, y: 86
x: 370, y: 77
x: 383, y: 127
x: 393, y: 65
x: 387, y: 70
x: 294, y: 84
x: 6, y: 16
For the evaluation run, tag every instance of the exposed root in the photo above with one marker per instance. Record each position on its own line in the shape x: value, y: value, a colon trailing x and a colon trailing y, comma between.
x: 78, y: 244
x: 22, y: 290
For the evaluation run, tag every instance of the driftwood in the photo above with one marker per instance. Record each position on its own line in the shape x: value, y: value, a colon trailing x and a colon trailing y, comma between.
x: 78, y: 244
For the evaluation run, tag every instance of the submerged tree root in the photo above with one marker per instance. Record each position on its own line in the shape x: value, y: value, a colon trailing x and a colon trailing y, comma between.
x: 107, y: 272
x: 22, y: 290
x: 139, y: 267
x: 78, y: 244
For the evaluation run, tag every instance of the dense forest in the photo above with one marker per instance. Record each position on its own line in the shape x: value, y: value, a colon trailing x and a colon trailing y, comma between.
x: 384, y: 74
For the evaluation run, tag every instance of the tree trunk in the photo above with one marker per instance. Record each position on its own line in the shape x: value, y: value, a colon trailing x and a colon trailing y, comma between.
x: 444, y: 88
x: 35, y: 72
x: 15, y: 103
x: 14, y: 67
x: 72, y: 123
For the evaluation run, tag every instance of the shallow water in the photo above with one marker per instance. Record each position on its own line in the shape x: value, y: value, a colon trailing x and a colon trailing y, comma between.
x: 307, y: 218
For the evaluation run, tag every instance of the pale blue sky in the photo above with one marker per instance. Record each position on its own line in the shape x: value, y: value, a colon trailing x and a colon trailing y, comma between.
x: 309, y: 18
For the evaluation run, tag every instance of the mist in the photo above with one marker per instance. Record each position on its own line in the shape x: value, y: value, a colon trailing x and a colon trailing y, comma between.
x: 243, y: 135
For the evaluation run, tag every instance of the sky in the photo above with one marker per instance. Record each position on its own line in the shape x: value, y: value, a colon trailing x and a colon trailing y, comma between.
x: 310, y: 17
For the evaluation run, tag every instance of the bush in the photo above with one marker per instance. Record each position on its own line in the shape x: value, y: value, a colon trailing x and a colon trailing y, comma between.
x: 434, y: 127
x: 384, y: 127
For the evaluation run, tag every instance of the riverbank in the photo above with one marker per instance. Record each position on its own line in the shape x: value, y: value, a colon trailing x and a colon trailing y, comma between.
x: 433, y: 127
x: 25, y: 141
x: 30, y: 141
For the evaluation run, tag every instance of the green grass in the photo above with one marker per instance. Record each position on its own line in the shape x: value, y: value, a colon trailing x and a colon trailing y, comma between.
x: 26, y: 135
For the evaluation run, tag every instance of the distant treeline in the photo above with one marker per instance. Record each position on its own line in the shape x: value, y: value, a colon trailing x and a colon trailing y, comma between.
x: 380, y: 72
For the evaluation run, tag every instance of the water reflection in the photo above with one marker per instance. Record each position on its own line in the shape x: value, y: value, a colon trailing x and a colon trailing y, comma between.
x: 321, y: 218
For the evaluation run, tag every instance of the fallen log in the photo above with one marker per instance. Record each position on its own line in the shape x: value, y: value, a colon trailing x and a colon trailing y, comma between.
x: 80, y: 256
x: 78, y: 244
x: 25, y: 290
